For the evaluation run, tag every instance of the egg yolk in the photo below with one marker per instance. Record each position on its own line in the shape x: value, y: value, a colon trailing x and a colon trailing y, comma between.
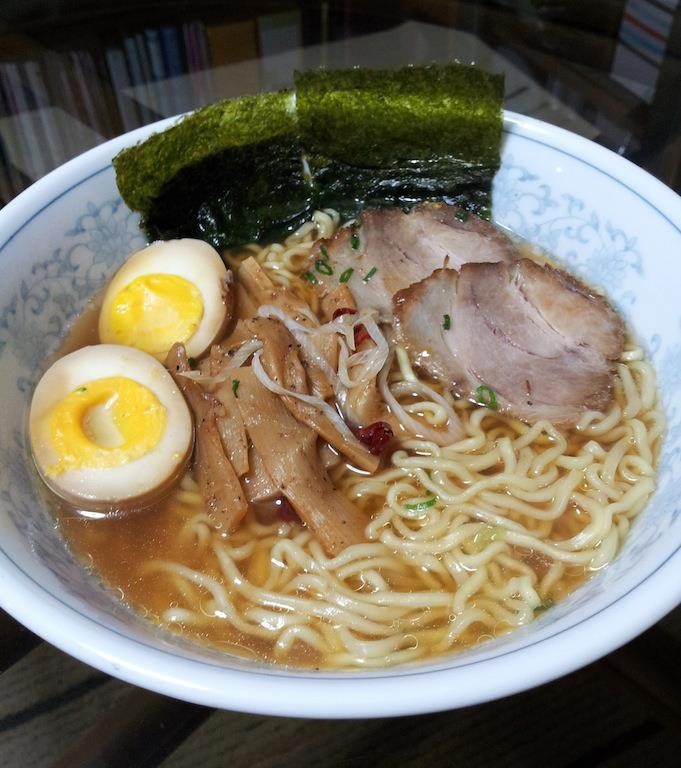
x: 155, y: 311
x: 105, y: 423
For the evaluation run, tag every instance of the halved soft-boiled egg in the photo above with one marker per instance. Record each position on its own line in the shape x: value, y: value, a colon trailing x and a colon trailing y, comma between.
x: 109, y: 428
x: 171, y: 291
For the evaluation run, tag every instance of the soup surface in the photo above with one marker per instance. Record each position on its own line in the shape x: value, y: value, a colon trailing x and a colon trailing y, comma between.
x: 468, y: 534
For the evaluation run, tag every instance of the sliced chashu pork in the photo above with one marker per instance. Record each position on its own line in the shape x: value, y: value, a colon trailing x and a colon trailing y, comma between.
x: 537, y: 337
x: 389, y: 249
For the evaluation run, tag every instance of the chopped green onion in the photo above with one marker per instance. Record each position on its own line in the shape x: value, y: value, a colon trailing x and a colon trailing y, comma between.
x: 235, y: 387
x: 323, y: 250
x: 345, y: 276
x: 354, y: 241
x: 461, y: 215
x: 323, y: 266
x: 419, y: 506
x: 446, y: 322
x: 486, y: 396
x: 369, y: 275
x: 310, y: 278
x: 81, y: 389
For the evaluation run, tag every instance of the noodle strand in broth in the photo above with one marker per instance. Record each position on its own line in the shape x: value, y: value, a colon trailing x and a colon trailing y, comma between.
x: 476, y: 522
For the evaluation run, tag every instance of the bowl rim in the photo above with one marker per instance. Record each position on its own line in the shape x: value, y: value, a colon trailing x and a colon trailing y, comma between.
x: 302, y: 693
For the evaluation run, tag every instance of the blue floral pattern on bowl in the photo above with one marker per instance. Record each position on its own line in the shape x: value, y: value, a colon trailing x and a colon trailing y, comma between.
x: 56, y: 289
x: 561, y: 223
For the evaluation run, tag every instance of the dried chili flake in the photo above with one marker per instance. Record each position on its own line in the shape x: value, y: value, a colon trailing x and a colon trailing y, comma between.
x: 375, y: 436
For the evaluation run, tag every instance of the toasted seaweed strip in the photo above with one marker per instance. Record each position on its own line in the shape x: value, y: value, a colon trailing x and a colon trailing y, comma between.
x: 268, y: 196
x: 228, y: 173
x: 398, y: 137
x: 349, y: 189
x: 253, y: 168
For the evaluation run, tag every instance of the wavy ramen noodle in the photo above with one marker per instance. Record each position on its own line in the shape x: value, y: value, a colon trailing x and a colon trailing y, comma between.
x: 466, y: 538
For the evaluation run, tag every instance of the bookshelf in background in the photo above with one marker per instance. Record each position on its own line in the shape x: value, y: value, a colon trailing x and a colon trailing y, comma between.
x: 90, y: 85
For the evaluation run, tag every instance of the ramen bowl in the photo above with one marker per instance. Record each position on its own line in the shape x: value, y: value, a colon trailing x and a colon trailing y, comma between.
x: 599, y: 215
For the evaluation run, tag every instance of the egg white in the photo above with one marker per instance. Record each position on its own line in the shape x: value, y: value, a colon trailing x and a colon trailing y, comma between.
x: 139, y: 482
x: 195, y: 261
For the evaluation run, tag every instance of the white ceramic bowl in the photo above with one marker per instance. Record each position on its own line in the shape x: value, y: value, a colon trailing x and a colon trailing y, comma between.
x: 600, y: 215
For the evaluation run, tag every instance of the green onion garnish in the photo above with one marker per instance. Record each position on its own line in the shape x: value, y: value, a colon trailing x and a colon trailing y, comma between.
x: 81, y: 389
x: 235, y: 387
x: 419, y: 506
x: 486, y: 396
x: 369, y: 275
x: 324, y: 251
x: 323, y: 266
x: 310, y: 278
x: 446, y: 322
x: 461, y: 215
x: 345, y: 276
x: 354, y: 241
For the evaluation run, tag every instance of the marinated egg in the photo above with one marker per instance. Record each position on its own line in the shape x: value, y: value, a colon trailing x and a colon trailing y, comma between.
x: 109, y: 428
x: 171, y: 291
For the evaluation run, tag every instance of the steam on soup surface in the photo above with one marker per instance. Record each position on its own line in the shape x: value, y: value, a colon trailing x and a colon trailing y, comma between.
x: 387, y: 467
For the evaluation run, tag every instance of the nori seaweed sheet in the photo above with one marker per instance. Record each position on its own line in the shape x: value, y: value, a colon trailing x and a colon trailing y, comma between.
x: 348, y: 189
x: 380, y: 138
x: 253, y: 169
x: 228, y: 173
x: 272, y: 196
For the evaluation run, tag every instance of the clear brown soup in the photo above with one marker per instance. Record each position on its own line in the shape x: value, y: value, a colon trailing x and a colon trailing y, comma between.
x: 119, y: 549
